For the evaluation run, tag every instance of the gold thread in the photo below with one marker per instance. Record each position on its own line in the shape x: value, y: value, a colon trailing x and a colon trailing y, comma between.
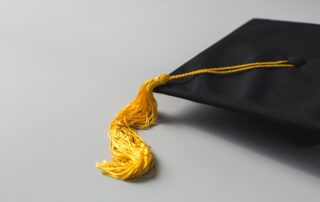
x: 234, y: 68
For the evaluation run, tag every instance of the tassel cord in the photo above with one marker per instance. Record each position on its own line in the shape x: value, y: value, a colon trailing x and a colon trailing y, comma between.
x: 131, y: 157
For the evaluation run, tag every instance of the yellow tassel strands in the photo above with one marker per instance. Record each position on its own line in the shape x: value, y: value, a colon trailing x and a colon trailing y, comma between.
x: 131, y: 157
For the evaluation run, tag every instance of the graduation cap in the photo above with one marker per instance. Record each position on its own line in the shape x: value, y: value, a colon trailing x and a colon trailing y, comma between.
x: 266, y: 68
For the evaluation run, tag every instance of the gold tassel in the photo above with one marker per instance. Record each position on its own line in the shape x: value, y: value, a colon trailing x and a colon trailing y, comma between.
x: 131, y: 157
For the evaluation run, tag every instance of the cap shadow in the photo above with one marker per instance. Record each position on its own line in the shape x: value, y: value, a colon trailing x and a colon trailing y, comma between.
x: 291, y: 145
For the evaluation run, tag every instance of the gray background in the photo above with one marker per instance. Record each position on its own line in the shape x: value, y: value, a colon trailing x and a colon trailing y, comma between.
x: 67, y: 67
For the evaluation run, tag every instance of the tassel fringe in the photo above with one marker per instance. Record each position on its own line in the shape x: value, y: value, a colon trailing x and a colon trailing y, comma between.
x: 131, y: 156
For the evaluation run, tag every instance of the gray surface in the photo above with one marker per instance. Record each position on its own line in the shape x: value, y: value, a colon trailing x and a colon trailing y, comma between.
x: 67, y: 67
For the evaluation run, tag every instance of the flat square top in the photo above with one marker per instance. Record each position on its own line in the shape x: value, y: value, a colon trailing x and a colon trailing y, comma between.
x: 287, y: 95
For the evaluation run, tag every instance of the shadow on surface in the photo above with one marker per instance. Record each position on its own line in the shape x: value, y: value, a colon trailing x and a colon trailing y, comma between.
x: 288, y: 144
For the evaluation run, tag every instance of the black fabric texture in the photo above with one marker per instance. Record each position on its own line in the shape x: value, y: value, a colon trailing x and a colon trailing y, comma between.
x: 287, y: 95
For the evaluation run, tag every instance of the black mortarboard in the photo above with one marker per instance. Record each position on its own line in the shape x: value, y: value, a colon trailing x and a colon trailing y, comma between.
x: 283, y: 86
x: 288, y: 96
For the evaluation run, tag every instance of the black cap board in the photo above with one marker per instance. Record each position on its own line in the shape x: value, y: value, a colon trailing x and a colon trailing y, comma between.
x: 267, y: 68
x: 287, y: 96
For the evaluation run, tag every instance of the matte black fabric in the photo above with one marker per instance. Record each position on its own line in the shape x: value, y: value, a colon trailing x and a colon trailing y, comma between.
x: 286, y: 95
